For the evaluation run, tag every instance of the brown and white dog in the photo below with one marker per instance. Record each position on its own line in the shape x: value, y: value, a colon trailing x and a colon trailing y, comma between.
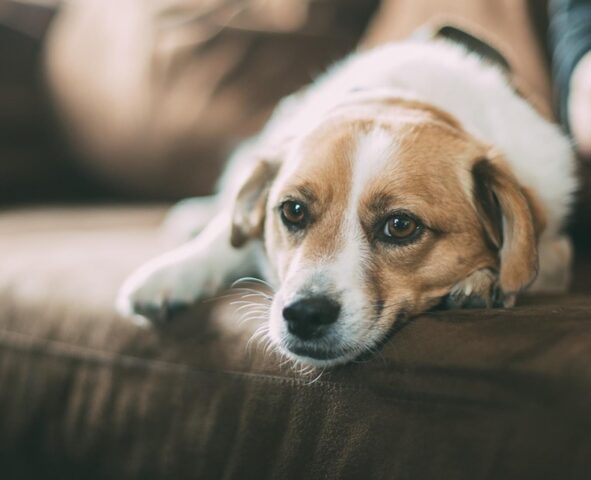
x: 406, y: 176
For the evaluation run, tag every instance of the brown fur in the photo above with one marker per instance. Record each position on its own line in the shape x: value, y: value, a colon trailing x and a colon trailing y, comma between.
x: 518, y: 254
x: 249, y: 212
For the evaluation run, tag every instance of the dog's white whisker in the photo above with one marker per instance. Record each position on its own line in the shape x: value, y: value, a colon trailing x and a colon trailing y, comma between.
x: 241, y: 304
x: 269, y: 347
x: 286, y: 361
x: 317, y: 378
x: 251, y: 290
x: 250, y: 312
x: 246, y: 302
x: 243, y: 321
x: 248, y: 305
x: 255, y: 295
x: 252, y: 309
x: 279, y: 353
x: 306, y: 370
x: 255, y: 316
x: 255, y: 311
x: 258, y: 333
x: 239, y: 293
x: 253, y: 280
x: 254, y: 292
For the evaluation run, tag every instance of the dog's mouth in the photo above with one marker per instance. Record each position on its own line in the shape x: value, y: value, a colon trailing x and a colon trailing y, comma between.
x: 326, y: 355
x: 319, y: 355
x: 315, y: 352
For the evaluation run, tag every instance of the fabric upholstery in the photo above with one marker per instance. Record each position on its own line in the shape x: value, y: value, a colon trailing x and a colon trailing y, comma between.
x: 85, y: 394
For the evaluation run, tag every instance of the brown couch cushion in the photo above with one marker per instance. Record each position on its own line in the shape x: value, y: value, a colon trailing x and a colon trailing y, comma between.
x: 85, y: 394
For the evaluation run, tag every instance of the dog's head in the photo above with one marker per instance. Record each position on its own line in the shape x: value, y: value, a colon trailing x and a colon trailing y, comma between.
x: 378, y: 213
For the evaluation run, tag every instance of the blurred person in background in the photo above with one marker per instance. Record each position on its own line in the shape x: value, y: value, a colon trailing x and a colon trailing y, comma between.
x: 154, y: 95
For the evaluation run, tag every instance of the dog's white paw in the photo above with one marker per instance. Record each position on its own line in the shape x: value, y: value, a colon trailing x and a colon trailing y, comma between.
x: 158, y: 291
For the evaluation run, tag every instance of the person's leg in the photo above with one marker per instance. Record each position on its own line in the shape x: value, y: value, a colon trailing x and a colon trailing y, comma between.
x: 155, y: 95
x: 570, y: 33
x: 503, y: 30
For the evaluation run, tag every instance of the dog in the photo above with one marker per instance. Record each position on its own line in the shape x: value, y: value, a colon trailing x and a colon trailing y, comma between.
x: 406, y: 177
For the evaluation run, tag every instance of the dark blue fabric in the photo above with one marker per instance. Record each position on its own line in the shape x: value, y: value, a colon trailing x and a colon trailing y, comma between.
x: 570, y: 36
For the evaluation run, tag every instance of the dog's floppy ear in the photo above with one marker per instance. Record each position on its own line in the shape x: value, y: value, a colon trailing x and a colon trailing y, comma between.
x: 511, y: 223
x: 248, y: 217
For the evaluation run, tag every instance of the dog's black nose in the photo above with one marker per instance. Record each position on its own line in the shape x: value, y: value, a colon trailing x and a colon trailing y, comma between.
x: 309, y: 317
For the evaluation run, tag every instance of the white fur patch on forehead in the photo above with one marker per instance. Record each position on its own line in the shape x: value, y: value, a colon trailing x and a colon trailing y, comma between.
x: 374, y: 150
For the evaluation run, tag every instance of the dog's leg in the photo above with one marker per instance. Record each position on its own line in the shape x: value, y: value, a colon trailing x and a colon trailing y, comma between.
x: 480, y: 289
x: 197, y: 269
x: 477, y: 290
x: 554, y: 274
x: 188, y: 218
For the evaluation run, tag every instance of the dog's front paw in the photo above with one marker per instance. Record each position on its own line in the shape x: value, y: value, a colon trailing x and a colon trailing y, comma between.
x: 151, y: 294
x: 158, y: 292
x: 477, y: 290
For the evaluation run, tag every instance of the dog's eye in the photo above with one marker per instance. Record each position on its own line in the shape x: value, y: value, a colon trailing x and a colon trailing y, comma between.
x: 401, y: 227
x: 293, y: 214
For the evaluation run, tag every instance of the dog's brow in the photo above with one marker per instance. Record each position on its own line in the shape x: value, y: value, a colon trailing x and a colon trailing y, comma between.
x: 307, y: 192
x: 381, y: 203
